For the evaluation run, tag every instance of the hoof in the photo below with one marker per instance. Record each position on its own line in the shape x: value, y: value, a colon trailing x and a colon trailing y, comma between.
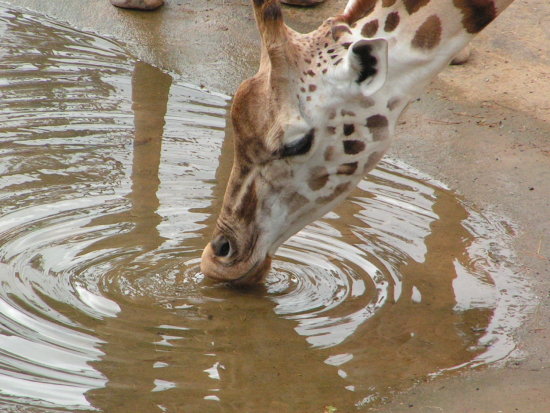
x: 138, y: 4
x: 302, y: 2
x: 462, y: 57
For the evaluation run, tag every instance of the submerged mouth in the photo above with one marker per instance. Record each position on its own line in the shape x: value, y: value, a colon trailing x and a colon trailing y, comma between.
x: 255, y: 274
x: 236, y: 272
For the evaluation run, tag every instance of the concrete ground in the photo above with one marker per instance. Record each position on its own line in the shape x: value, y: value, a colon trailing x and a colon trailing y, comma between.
x: 482, y: 128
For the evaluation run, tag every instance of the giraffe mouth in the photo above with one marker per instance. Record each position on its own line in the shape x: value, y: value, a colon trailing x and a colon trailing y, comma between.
x: 238, y: 273
x: 256, y: 274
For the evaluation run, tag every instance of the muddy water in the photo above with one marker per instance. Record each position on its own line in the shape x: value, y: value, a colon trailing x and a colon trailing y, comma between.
x: 111, y: 173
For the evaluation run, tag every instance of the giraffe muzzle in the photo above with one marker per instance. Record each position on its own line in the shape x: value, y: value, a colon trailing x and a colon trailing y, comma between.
x: 220, y: 262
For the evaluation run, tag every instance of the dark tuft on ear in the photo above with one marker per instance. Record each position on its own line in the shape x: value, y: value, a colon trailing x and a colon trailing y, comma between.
x: 367, y: 61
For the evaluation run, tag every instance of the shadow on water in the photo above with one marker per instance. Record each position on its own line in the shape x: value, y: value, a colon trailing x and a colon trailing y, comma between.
x: 111, y: 172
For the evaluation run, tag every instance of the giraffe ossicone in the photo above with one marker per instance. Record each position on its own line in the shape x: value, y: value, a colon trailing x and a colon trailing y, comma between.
x: 320, y: 112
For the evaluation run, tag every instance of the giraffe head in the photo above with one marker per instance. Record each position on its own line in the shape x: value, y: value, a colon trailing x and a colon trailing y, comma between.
x: 307, y: 129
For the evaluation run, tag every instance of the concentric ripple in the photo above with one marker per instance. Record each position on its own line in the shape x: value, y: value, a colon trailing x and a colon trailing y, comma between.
x: 111, y: 172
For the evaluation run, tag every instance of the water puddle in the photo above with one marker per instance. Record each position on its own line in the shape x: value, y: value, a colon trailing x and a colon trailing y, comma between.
x: 111, y: 172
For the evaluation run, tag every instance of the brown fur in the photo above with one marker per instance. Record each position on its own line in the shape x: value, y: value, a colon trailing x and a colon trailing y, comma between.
x: 370, y: 28
x: 329, y: 153
x: 349, y: 128
x: 428, y: 34
x: 318, y: 178
x: 347, y: 168
x: 378, y: 126
x: 413, y: 6
x: 477, y: 13
x: 353, y: 147
x: 392, y: 21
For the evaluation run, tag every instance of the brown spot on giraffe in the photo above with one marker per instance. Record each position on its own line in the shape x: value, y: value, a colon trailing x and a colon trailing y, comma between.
x: 388, y: 3
x: 331, y: 130
x: 339, y: 190
x: 393, y: 103
x: 366, y: 102
x: 378, y: 127
x: 413, y: 6
x: 347, y: 168
x: 353, y: 147
x: 349, y: 128
x: 428, y: 34
x: 392, y: 21
x: 345, y: 112
x: 329, y: 153
x: 370, y: 29
x: 318, y: 178
x: 312, y: 88
x: 377, y: 121
x: 476, y: 13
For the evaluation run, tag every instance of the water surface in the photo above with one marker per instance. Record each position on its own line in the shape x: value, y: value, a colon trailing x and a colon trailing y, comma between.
x: 111, y: 174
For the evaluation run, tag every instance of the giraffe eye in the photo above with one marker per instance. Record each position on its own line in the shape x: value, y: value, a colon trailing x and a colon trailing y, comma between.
x: 300, y: 146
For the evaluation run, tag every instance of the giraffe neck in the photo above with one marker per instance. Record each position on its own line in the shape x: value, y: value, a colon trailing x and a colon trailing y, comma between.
x: 476, y: 13
x: 422, y: 35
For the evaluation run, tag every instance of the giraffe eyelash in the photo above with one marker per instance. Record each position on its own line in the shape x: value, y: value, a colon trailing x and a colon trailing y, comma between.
x: 300, y: 146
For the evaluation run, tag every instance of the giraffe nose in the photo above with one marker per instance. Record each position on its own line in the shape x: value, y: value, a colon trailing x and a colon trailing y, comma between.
x: 221, y: 246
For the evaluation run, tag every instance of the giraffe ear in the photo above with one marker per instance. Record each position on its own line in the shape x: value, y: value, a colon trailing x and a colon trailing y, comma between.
x: 367, y: 63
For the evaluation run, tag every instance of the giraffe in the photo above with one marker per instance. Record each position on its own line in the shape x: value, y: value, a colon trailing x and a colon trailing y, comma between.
x: 320, y: 112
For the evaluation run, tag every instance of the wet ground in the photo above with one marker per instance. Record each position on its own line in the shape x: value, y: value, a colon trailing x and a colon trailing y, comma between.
x: 102, y: 224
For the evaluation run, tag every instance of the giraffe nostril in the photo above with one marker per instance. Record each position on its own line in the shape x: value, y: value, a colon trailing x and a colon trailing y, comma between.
x: 221, y: 246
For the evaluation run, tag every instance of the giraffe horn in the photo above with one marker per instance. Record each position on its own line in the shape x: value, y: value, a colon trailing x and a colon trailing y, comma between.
x: 269, y: 18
